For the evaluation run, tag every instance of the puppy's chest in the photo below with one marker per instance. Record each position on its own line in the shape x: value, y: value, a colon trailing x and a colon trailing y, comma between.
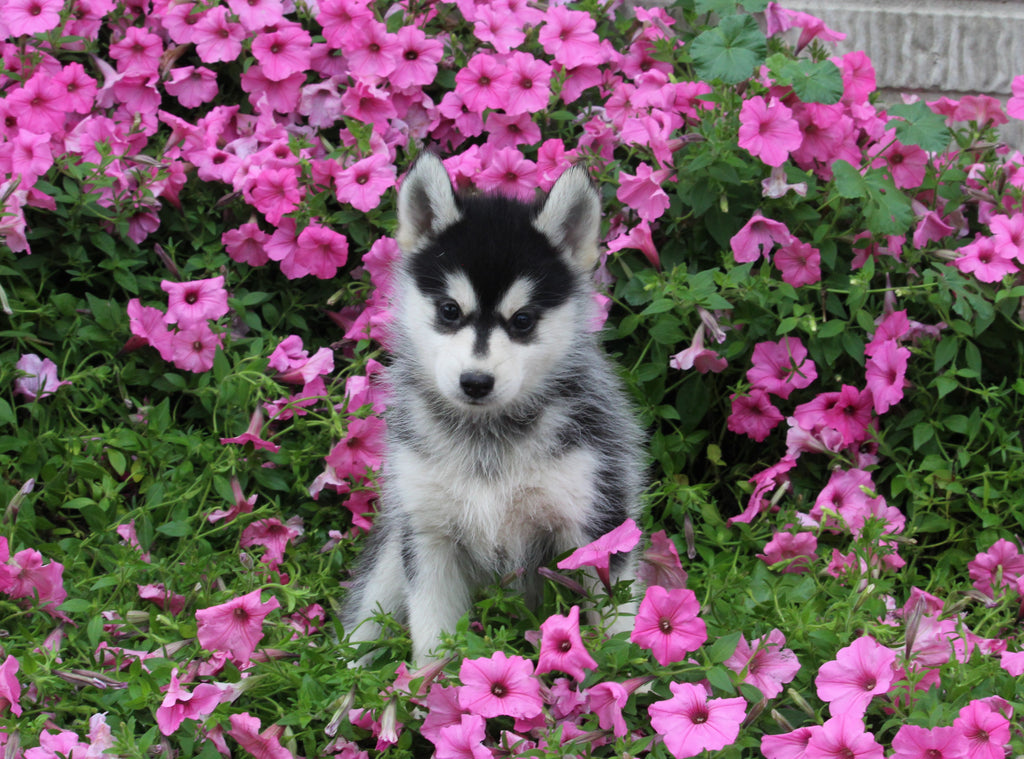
x: 503, y: 507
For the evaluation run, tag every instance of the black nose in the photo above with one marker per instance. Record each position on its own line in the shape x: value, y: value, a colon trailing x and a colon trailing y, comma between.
x: 476, y: 384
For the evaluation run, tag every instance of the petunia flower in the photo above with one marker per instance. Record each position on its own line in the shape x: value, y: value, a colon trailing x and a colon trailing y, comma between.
x: 768, y: 130
x: 10, y: 688
x: 643, y: 192
x: 245, y: 729
x: 843, y: 737
x: 235, y: 626
x: 764, y: 662
x: 860, y: 671
x: 985, y: 730
x: 914, y: 742
x: 667, y: 624
x: 191, y: 303
x: 499, y: 684
x: 757, y: 238
x: 753, y: 415
x: 798, y: 549
x: 598, y: 553
x: 690, y: 722
x: 39, y: 377
x: 561, y: 646
x: 781, y: 367
x: 886, y: 372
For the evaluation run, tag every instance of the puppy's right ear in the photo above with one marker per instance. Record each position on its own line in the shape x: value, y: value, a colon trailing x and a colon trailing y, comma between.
x: 426, y: 203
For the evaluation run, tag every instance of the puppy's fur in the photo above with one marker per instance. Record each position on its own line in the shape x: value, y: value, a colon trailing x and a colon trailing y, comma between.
x: 510, y: 440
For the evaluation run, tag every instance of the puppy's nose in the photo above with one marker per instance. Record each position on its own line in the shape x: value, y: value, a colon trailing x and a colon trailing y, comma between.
x: 476, y: 385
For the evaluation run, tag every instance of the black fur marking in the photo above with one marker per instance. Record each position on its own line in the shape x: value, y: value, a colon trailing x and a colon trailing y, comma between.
x: 494, y: 245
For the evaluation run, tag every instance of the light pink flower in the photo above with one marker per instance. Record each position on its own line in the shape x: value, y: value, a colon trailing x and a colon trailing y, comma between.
x: 10, y: 688
x: 235, y: 626
x: 798, y: 549
x: 781, y: 367
x: 276, y: 192
x: 987, y: 261
x: 216, y: 38
x: 417, y: 59
x: 245, y: 729
x: 886, y: 373
x: 31, y: 16
x: 913, y: 742
x: 320, y: 251
x: 561, y: 646
x: 906, y: 163
x: 193, y: 349
x: 39, y: 377
x: 569, y: 36
x: 791, y: 745
x: 843, y: 737
x: 1002, y: 563
x: 363, y: 183
x: 463, y: 739
x: 499, y: 684
x: 757, y: 238
x: 361, y: 449
x: 764, y: 662
x: 137, y: 53
x: 643, y: 192
x: 690, y: 722
x: 283, y: 52
x: 985, y: 730
x: 667, y: 624
x: 191, y: 303
x: 246, y: 244
x: 157, y: 592
x: 768, y: 130
x: 371, y: 51
x: 698, y: 357
x: 192, y: 85
x: 598, y: 553
x: 483, y: 83
x: 753, y: 415
x: 799, y: 262
x: 860, y: 671
x: 179, y: 704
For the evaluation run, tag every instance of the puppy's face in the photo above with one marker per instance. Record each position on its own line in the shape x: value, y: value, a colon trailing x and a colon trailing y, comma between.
x: 492, y: 291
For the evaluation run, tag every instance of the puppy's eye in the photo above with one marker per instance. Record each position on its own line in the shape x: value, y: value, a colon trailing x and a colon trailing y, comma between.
x: 448, y: 312
x: 522, y: 322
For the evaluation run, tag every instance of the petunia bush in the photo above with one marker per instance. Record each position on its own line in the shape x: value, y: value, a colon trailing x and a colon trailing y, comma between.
x: 814, y: 296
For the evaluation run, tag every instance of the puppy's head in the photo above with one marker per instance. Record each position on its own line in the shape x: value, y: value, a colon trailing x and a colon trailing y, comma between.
x: 492, y: 292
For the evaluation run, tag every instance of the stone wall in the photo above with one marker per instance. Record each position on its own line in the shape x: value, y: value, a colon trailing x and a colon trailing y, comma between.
x: 933, y: 47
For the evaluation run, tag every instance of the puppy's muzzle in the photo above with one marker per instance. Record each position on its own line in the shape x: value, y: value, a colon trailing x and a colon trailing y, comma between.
x: 476, y: 385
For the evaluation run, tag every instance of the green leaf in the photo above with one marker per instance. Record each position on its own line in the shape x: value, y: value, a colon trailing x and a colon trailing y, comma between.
x: 917, y: 124
x: 849, y: 182
x: 812, y: 81
x: 724, y: 647
x: 730, y: 51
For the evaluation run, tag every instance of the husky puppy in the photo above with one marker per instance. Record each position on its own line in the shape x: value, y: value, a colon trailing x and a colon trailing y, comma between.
x: 510, y: 440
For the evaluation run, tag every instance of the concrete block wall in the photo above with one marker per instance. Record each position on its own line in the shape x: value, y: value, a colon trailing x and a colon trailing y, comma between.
x: 933, y: 47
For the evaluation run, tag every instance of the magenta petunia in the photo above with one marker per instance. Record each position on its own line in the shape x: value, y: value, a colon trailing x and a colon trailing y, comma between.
x: 235, y: 626
x: 569, y: 36
x: 245, y: 729
x: 217, y: 39
x: 643, y: 192
x: 886, y: 372
x: 483, y: 83
x: 764, y: 663
x: 193, y: 302
x: 986, y: 260
x: 843, y: 737
x: 283, y: 52
x: 500, y: 685
x: 914, y: 742
x: 273, y: 535
x: 38, y: 377
x: 799, y: 262
x: 757, y: 238
x: 31, y: 16
x: 860, y: 671
x: 597, y: 553
x: 753, y: 415
x: 996, y: 569
x: 691, y: 723
x: 561, y: 646
x: 10, y: 687
x: 768, y: 130
x: 797, y: 549
x: 781, y: 367
x: 667, y: 624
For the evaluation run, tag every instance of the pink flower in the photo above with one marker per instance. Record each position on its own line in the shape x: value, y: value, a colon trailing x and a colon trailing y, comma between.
x: 242, y: 505
x: 1002, y: 563
x: 283, y: 52
x: 782, y: 367
x: 191, y: 303
x: 178, y: 704
x: 859, y: 672
x: 320, y: 251
x: 598, y: 553
x: 416, y: 62
x: 906, y: 163
x: 25, y: 576
x: 500, y: 685
x: 561, y: 646
x: 798, y: 549
x: 463, y: 739
x: 157, y: 592
x: 985, y: 730
x: 848, y: 412
x: 569, y: 37
x: 757, y: 238
x: 31, y: 16
x: 267, y: 744
x: 276, y: 192
x: 483, y: 83
x: 193, y: 349
x: 644, y: 192
x: 235, y: 626
x: 491, y: 23
x: 529, y: 84
x: 768, y: 130
x: 246, y: 244
x: 661, y: 565
x: 257, y: 14
x: 361, y: 449
x: 274, y: 535
x: 667, y: 624
x: 753, y: 415
x: 985, y: 260
x: 698, y: 357
x: 10, y: 688
x: 638, y: 238
x: 252, y: 435
x: 363, y: 183
x: 1008, y: 233
x: 886, y: 373
x: 843, y: 737
x: 371, y: 51
x: 216, y: 38
x: 192, y: 85
x: 799, y: 262
x: 137, y: 53
x: 791, y: 745
x: 39, y: 377
x: 913, y: 742
x: 690, y: 722
x: 764, y: 663
x: 510, y: 173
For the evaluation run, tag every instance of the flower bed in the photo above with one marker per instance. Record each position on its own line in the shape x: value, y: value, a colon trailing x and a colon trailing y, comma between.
x: 815, y: 298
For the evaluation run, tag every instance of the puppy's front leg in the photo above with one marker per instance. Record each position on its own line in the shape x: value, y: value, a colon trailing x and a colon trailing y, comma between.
x: 439, y: 592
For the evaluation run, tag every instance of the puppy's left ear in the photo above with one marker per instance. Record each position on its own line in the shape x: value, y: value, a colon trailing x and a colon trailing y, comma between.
x: 571, y: 218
